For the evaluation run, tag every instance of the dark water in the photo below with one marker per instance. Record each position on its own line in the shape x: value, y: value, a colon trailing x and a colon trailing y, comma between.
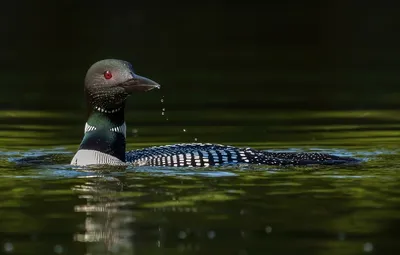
x: 47, y: 207
x: 262, y: 75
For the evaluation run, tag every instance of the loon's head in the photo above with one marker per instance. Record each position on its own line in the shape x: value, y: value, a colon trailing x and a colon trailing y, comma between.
x: 109, y: 82
x: 107, y: 85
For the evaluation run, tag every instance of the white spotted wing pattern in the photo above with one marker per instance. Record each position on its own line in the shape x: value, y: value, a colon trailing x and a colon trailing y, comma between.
x: 206, y: 154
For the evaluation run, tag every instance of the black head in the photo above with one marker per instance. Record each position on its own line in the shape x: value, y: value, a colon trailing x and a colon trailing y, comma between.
x: 109, y: 82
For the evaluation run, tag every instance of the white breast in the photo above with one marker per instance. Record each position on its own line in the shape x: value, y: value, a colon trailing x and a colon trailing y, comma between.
x: 92, y: 157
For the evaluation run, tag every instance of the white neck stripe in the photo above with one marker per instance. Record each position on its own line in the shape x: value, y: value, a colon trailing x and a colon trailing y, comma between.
x: 120, y: 129
x: 107, y: 111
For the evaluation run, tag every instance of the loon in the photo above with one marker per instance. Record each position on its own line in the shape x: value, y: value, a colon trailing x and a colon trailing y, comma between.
x: 109, y: 82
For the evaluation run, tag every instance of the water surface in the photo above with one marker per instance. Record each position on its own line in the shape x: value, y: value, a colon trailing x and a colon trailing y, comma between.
x: 48, y: 207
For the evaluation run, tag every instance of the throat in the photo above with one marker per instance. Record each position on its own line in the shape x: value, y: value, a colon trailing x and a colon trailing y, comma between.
x: 104, y: 139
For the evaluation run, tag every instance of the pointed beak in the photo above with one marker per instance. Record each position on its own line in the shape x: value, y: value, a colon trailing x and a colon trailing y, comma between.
x: 139, y: 84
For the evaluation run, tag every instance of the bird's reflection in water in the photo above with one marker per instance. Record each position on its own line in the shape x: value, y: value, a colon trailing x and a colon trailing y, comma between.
x: 108, y: 218
x: 144, y: 215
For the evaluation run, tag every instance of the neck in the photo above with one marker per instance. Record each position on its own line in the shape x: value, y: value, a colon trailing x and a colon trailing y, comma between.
x: 104, y: 118
x: 105, y: 132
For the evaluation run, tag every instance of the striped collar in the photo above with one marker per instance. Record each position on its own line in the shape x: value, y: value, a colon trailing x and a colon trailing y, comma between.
x: 107, y: 111
x: 120, y: 129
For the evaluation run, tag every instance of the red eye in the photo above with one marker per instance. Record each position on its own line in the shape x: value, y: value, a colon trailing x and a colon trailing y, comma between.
x: 107, y: 75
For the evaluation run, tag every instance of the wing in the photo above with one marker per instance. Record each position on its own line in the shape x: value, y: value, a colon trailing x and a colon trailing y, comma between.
x: 203, y: 155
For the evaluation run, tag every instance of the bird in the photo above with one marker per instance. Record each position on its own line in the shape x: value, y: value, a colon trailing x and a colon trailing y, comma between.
x: 109, y: 83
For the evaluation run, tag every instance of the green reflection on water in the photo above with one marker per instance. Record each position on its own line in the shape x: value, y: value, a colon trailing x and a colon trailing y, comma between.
x: 190, y: 200
x: 291, y: 210
x: 256, y: 128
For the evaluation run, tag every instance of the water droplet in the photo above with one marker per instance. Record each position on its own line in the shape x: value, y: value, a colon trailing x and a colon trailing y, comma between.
x: 184, y: 130
x: 368, y: 247
x: 162, y: 113
x: 211, y: 234
x: 268, y: 229
x: 58, y: 249
x: 182, y: 235
x: 163, y: 109
x: 162, y: 100
x: 158, y: 243
x: 8, y: 247
x: 195, y: 139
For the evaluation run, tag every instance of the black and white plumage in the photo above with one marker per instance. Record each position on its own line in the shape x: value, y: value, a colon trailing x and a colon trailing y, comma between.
x: 204, y: 155
x: 107, y: 85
